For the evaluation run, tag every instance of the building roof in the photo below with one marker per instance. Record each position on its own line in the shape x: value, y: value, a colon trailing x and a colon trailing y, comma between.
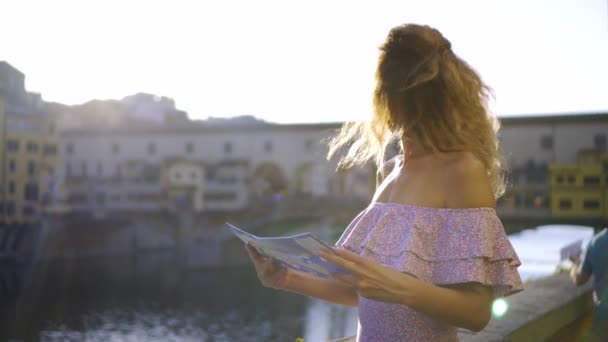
x: 195, y: 128
x: 198, y: 128
x: 6, y: 66
x: 555, y: 118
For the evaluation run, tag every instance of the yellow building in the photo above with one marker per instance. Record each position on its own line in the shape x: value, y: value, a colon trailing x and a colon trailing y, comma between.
x: 581, y: 189
x: 28, y: 152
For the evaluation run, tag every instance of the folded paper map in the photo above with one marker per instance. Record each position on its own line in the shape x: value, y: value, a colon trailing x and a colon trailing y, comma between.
x: 298, y: 252
x: 572, y: 249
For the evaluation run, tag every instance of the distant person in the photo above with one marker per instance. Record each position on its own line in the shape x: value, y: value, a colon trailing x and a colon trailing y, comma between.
x: 595, y: 263
x: 429, y: 254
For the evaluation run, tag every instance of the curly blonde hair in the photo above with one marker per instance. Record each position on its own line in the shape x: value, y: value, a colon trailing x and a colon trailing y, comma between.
x: 425, y: 92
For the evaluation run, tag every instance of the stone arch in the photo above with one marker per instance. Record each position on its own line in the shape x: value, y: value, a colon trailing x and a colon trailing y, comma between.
x: 268, y: 178
x: 302, y: 181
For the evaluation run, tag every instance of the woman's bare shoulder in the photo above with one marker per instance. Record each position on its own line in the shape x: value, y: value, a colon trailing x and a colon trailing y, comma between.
x: 468, y: 182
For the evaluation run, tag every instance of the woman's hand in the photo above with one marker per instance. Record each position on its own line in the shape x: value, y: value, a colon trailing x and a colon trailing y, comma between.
x: 575, y: 259
x: 369, y: 278
x: 270, y: 273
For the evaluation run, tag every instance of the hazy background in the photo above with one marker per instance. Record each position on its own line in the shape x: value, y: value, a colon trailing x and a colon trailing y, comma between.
x: 307, y: 61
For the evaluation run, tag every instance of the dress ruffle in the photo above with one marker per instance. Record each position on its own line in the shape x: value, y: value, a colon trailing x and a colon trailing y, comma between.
x: 438, y: 245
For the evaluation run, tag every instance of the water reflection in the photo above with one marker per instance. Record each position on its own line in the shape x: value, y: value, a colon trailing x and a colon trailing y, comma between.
x: 150, y: 298
x: 324, y: 320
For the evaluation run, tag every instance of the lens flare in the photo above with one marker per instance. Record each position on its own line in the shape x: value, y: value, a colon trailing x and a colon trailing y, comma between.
x: 500, y: 307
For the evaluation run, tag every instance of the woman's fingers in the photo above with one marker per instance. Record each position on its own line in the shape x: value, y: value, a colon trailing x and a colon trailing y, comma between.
x: 255, y: 256
x: 340, y: 261
x: 349, y: 280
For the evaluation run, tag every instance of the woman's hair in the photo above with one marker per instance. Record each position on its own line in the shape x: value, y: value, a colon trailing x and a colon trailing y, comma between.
x: 427, y: 93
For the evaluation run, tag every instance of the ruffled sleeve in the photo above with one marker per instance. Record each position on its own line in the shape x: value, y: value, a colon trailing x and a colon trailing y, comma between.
x: 439, y: 245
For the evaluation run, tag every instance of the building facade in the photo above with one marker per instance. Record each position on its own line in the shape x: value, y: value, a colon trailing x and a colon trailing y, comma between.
x: 28, y: 155
x: 533, y: 144
x: 580, y: 189
x: 233, y: 165
x: 238, y: 163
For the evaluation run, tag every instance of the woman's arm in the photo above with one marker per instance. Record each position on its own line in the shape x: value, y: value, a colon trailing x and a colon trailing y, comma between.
x: 464, y: 305
x: 325, y: 289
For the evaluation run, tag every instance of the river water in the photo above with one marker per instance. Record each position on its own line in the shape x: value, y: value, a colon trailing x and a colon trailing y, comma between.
x: 150, y: 298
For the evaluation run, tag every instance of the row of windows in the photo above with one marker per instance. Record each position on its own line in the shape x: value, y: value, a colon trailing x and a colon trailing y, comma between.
x: 189, y: 147
x: 210, y: 177
x: 31, y: 147
x: 100, y: 197
x: 118, y: 172
x: 9, y: 209
x: 178, y: 175
x: 220, y: 196
x: 566, y: 204
x: 599, y: 142
x: 587, y: 180
x: 30, y: 191
x: 31, y: 167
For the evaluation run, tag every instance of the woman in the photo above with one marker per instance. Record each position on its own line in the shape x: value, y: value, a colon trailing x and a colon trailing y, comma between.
x: 429, y: 254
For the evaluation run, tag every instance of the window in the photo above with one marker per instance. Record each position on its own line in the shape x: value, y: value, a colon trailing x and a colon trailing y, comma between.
x: 151, y: 148
x: 69, y: 148
x: 31, y: 168
x: 559, y: 179
x: 591, y: 204
x: 11, y: 187
x: 565, y: 204
x: 189, y: 147
x: 118, y: 170
x: 268, y: 146
x: 49, y: 150
x: 210, y: 174
x: 99, y: 169
x: 100, y: 197
x: 115, y: 148
x: 591, y: 181
x: 546, y: 142
x: 84, y: 169
x: 308, y: 144
x: 28, y: 211
x: 571, y: 179
x: 77, y: 198
x: 31, y: 192
x: 68, y: 169
x: 10, y: 209
x: 220, y: 196
x: 177, y: 175
x: 599, y: 142
x: 227, y: 147
x: 12, y: 165
x: 51, y: 128
x: 193, y: 175
x: 32, y: 147
x: 12, y: 146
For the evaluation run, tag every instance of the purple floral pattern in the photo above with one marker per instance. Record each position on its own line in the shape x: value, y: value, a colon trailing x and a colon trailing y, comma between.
x: 438, y: 245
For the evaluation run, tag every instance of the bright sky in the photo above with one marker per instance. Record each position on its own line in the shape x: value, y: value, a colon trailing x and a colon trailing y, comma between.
x: 305, y: 61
